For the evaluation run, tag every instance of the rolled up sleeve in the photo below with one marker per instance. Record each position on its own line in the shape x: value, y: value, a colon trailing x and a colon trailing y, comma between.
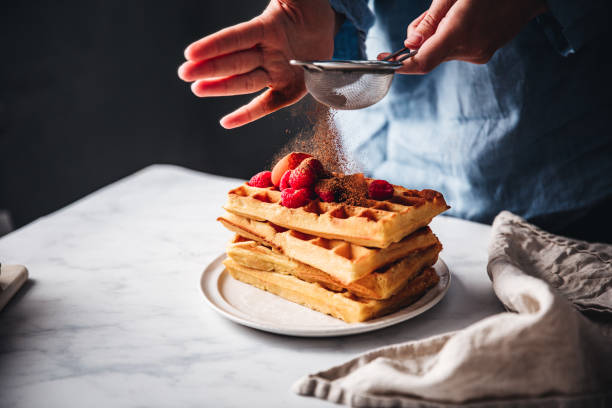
x: 350, y: 39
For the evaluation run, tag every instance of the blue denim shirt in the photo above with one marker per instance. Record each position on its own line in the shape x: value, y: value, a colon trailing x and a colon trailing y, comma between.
x: 527, y: 132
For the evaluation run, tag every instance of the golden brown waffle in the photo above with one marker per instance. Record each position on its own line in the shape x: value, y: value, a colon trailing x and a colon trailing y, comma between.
x: 342, y: 305
x: 344, y: 261
x: 381, y: 284
x: 374, y: 224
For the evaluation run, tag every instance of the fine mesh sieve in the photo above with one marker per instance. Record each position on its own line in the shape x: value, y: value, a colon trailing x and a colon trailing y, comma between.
x: 350, y: 84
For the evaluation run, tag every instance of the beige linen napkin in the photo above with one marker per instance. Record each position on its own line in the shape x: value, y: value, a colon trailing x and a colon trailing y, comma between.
x: 543, y: 353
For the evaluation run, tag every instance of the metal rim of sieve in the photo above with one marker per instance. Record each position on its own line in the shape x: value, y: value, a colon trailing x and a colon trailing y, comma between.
x: 375, y: 66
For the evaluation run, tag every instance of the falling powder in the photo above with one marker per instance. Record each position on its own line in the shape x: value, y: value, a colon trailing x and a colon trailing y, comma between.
x: 319, y: 137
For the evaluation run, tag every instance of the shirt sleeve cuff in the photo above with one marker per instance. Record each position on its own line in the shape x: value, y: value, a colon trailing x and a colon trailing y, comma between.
x: 349, y: 42
x: 357, y: 11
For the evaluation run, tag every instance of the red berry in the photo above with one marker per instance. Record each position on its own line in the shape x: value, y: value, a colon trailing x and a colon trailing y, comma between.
x: 284, y: 181
x: 289, y: 162
x: 294, y: 198
x: 296, y: 158
x: 261, y: 179
x: 380, y: 190
x: 325, y: 195
x: 306, y: 174
x: 315, y: 164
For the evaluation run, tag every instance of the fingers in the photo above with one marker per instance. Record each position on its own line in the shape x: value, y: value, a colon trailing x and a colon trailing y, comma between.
x: 433, y: 52
x: 226, y: 65
x: 425, y: 25
x: 239, y: 37
x: 411, y: 30
x: 236, y: 85
x: 268, y: 102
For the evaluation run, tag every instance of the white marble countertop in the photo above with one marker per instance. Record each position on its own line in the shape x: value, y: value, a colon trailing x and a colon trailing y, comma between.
x: 113, y: 315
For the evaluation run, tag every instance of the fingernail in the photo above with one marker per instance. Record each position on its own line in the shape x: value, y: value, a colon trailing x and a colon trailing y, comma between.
x: 187, y: 53
x: 181, y: 72
x: 225, y: 123
x: 194, y: 87
x: 414, y: 39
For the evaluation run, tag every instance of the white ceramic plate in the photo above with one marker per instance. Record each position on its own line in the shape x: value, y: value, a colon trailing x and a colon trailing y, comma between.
x: 262, y: 310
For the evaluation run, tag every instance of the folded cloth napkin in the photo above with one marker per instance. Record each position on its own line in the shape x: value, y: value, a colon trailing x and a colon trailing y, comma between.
x: 543, y: 353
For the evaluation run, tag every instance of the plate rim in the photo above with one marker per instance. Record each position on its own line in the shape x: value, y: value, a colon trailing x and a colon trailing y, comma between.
x: 352, y: 328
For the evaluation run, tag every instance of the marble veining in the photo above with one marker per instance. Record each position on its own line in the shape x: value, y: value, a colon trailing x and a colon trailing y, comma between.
x: 113, y: 314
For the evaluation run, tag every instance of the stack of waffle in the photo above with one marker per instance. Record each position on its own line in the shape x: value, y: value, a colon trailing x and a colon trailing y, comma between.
x: 354, y: 262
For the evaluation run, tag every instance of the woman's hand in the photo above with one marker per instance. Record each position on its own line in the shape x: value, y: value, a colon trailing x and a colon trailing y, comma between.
x: 255, y: 54
x: 465, y: 30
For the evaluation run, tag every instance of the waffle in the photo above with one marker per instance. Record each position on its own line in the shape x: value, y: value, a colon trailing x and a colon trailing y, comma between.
x: 374, y: 224
x: 344, y: 261
x: 342, y: 305
x: 381, y: 284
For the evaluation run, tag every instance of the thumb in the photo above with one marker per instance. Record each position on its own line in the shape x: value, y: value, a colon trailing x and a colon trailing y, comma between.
x: 426, y: 24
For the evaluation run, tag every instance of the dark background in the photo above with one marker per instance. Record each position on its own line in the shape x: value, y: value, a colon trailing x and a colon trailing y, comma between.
x: 89, y: 94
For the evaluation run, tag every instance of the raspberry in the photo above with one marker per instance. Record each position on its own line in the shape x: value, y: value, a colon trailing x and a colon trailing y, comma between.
x: 315, y: 164
x: 284, y: 181
x: 380, y: 190
x: 289, y: 162
x: 296, y: 158
x: 261, y: 179
x: 324, y: 194
x: 306, y: 174
x: 294, y: 198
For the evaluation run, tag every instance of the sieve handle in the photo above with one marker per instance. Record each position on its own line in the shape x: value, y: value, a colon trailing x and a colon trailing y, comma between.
x: 398, y: 52
x: 305, y: 64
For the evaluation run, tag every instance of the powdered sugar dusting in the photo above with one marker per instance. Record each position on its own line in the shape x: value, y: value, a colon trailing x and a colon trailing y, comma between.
x: 319, y: 137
